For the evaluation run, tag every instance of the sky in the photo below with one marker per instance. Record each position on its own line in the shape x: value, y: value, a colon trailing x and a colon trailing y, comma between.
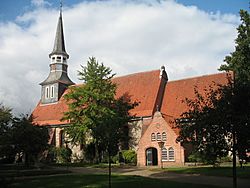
x: 189, y: 37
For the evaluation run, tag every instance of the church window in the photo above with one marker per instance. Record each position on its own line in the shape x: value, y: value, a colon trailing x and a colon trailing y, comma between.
x: 158, y: 136
x: 171, y: 154
x: 61, y: 138
x: 153, y: 137
x: 164, y: 136
x: 47, y: 92
x: 164, y: 154
x: 52, y: 91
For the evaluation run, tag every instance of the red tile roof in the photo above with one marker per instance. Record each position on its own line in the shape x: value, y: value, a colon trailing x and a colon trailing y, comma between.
x: 177, y: 91
x: 141, y: 87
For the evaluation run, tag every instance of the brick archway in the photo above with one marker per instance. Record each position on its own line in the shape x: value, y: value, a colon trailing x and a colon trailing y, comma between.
x: 151, y: 156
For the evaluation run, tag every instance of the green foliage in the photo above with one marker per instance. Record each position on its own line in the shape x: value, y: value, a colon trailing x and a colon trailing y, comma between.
x: 63, y: 154
x: 7, y: 153
x: 90, y: 152
x: 20, y: 136
x: 202, y: 125
x: 239, y: 60
x: 125, y: 156
x: 94, y: 112
x: 222, y: 110
x: 29, y: 139
x: 60, y: 154
x: 196, y: 157
x: 129, y: 156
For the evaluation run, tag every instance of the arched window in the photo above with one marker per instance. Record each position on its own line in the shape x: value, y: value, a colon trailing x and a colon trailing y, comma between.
x: 171, y: 154
x: 164, y: 136
x: 158, y: 136
x: 164, y: 154
x: 153, y: 137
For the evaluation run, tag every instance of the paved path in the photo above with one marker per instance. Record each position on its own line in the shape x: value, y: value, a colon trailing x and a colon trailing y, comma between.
x: 187, y: 178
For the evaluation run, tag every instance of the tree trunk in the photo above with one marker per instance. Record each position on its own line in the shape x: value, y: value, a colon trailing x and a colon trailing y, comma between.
x: 234, y: 159
x: 96, y: 159
x: 109, y: 160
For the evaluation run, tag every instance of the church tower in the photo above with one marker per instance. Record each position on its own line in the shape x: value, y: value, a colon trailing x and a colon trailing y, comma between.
x: 58, y: 80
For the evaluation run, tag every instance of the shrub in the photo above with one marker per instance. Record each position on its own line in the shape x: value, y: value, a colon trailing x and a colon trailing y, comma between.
x: 64, y: 155
x: 59, y: 155
x: 129, y: 156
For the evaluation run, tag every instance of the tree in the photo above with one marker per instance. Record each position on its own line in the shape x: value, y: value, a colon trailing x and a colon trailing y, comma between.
x: 95, y: 114
x: 20, y: 136
x: 6, y: 148
x: 202, y: 125
x: 224, y: 113
x: 239, y: 62
x: 28, y: 138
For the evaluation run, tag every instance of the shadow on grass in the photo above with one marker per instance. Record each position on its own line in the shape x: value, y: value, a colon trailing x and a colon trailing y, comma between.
x: 99, y: 181
x: 212, y: 171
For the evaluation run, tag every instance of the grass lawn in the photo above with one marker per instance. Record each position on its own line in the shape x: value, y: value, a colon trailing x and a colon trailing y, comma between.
x: 212, y: 171
x: 80, y: 181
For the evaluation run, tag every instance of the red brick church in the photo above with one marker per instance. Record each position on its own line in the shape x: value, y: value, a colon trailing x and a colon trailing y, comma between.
x: 153, y: 132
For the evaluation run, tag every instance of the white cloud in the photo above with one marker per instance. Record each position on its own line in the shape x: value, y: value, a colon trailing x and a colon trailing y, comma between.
x: 127, y: 36
x: 39, y: 3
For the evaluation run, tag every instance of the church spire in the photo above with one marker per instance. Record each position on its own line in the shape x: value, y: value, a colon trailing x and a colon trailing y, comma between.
x: 59, y: 45
x: 58, y: 81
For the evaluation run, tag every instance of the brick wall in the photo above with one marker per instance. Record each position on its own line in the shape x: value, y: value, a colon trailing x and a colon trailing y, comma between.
x: 159, y: 125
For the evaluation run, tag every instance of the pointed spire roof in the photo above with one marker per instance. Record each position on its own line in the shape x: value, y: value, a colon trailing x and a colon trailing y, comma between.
x: 59, y: 45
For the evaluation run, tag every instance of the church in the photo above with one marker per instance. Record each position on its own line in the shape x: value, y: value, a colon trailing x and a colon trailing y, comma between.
x: 153, y: 132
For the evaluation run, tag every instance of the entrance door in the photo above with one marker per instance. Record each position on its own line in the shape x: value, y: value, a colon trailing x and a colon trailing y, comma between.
x: 151, y: 157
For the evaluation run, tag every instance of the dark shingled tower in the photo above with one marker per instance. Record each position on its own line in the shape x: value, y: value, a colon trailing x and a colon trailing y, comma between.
x: 58, y: 80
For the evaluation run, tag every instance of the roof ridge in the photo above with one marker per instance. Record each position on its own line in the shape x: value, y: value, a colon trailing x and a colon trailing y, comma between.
x: 136, y: 73
x: 196, y: 77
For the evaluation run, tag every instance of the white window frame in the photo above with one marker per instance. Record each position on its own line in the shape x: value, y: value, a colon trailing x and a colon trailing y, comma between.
x: 47, y: 92
x: 172, y: 154
x: 158, y: 136
x: 164, y: 136
x: 164, y: 154
x: 153, y: 137
x: 52, y: 91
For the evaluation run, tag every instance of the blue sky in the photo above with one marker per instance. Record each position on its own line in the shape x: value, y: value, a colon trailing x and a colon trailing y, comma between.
x: 190, y: 38
x: 10, y: 9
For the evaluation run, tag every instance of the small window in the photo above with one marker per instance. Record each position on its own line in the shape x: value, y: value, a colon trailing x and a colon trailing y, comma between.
x: 58, y: 57
x: 153, y: 137
x: 52, y: 91
x: 158, y: 136
x: 47, y: 92
x: 164, y: 154
x: 164, y: 136
x: 171, y: 154
x: 61, y: 138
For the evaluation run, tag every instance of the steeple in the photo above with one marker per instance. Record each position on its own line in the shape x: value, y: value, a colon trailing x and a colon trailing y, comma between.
x: 57, y: 82
x: 59, y: 45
